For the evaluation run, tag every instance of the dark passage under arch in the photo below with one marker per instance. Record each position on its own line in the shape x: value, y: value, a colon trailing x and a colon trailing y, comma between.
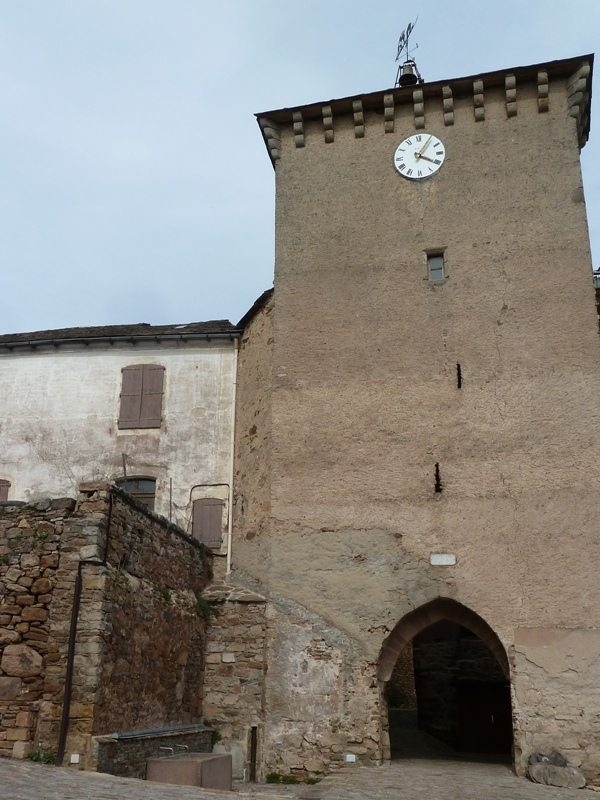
x: 447, y: 684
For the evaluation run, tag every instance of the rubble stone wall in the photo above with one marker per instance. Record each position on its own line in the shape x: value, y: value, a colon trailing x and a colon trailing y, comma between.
x: 139, y: 621
x: 38, y: 546
x: 234, y: 673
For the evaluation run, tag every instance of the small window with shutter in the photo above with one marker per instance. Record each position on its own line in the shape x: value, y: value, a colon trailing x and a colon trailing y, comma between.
x: 143, y: 488
x: 4, y: 487
x: 207, y: 521
x: 141, y: 396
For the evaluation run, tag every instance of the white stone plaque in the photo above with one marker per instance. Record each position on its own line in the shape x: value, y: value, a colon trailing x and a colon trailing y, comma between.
x: 442, y: 559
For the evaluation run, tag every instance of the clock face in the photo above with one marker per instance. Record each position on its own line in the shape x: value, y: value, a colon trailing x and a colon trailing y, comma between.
x: 419, y: 156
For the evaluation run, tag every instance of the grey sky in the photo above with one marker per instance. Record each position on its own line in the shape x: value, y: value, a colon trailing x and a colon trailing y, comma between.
x: 134, y: 183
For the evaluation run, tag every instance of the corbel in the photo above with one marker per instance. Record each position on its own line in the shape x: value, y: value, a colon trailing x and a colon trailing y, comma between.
x: 328, y: 123
x: 298, y: 128
x: 542, y: 88
x: 359, y: 119
x: 578, y: 97
x: 388, y: 113
x: 272, y: 136
x: 419, y: 108
x: 478, y: 105
x: 510, y: 87
x: 448, y: 105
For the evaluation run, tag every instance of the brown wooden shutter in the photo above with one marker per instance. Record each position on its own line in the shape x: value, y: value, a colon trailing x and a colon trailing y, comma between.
x: 152, y: 394
x: 4, y: 487
x: 131, y: 397
x: 141, y: 396
x: 207, y: 521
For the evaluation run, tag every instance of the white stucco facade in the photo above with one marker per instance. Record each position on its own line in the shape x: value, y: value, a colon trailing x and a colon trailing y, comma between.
x: 60, y: 410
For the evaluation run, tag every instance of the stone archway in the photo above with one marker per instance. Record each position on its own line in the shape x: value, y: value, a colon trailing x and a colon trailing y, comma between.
x: 460, y: 683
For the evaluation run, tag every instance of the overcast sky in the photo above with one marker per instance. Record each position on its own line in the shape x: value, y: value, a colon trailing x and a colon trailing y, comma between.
x: 134, y: 183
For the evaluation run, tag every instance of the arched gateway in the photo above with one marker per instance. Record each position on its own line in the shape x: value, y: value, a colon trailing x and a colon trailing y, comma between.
x: 447, y: 684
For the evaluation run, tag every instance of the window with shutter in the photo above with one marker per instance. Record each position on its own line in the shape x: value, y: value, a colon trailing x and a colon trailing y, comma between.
x: 141, y: 396
x: 142, y: 487
x: 4, y: 487
x: 207, y: 521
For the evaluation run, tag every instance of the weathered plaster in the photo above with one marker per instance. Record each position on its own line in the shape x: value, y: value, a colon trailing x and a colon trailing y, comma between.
x: 60, y: 411
x: 365, y: 402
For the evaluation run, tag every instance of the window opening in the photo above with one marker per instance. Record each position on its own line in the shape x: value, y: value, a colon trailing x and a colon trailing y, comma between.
x: 142, y: 488
x: 4, y: 487
x: 435, y: 267
x: 459, y: 376
x: 253, y: 753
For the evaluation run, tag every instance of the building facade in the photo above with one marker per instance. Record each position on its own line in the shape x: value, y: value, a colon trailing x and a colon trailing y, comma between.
x: 416, y: 457
x: 147, y: 407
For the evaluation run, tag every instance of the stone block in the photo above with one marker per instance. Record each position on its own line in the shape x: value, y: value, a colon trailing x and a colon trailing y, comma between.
x: 38, y: 614
x: 82, y: 710
x: 10, y: 688
x: 21, y: 749
x: 24, y: 719
x: 567, y: 777
x: 9, y: 636
x: 41, y: 586
x: 25, y: 600
x: 89, y: 551
x: 17, y: 734
x: 21, y: 661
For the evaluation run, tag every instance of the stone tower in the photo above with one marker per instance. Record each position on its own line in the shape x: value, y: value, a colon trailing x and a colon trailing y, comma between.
x: 416, y: 462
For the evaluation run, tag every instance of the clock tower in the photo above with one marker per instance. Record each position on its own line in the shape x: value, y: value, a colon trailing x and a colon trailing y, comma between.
x: 417, y: 460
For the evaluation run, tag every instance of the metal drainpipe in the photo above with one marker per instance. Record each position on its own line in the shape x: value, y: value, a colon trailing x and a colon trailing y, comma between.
x: 231, y: 455
x: 66, y: 709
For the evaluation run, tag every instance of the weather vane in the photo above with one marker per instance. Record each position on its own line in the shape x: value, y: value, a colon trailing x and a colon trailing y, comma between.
x: 407, y: 73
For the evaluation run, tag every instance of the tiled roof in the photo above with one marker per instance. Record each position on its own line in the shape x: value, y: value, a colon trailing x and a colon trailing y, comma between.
x: 141, y: 330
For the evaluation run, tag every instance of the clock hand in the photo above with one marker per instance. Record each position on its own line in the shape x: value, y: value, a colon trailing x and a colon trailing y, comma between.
x: 419, y: 154
x: 428, y: 159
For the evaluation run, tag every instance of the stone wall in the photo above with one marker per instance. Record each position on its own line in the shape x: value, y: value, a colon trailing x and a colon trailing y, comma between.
x: 153, y: 623
x: 321, y: 697
x: 124, y: 587
x: 252, y: 463
x: 234, y: 672
x: 37, y: 547
x: 365, y: 402
x: 126, y: 754
x: 400, y: 689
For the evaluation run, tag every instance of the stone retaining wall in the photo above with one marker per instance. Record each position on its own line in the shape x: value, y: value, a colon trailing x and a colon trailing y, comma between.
x: 234, y: 671
x: 138, y: 626
x: 36, y: 587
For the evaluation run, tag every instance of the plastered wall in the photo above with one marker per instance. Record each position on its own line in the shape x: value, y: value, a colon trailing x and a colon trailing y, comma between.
x: 60, y: 412
x: 365, y: 399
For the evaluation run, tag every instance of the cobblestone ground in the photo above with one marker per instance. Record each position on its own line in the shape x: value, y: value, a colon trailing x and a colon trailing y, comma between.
x: 402, y: 780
